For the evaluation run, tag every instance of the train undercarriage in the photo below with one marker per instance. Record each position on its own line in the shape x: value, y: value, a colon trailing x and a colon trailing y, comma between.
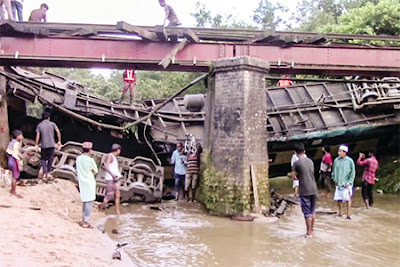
x: 361, y: 113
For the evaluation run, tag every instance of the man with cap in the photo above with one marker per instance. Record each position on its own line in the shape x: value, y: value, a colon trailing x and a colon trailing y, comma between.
x: 111, y: 175
x: 86, y: 169
x: 343, y: 174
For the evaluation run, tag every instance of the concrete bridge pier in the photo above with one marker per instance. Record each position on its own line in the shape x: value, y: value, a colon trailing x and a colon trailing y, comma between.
x: 236, y: 138
x: 4, y: 129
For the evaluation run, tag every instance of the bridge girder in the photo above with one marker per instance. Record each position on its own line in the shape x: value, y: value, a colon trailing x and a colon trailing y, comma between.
x: 116, y: 52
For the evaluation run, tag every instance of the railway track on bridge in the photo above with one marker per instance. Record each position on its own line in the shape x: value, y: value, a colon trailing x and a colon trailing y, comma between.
x: 193, y: 49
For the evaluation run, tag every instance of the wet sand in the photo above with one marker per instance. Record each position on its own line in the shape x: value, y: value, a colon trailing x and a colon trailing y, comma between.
x: 51, y: 236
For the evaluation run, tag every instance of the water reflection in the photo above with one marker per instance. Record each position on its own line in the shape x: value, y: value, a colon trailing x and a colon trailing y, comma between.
x: 183, y: 235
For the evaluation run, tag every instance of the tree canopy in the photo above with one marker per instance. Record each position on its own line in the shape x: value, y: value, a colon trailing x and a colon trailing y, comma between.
x: 380, y: 18
x: 150, y: 84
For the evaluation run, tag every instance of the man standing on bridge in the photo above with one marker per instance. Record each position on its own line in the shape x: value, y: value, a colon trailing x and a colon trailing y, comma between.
x: 129, y: 84
x: 7, y: 4
x: 343, y: 174
x: 17, y: 6
x: 303, y: 170
x: 170, y: 14
x: 39, y: 15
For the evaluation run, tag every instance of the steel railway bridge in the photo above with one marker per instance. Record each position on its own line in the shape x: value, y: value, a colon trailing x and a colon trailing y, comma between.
x: 312, y: 111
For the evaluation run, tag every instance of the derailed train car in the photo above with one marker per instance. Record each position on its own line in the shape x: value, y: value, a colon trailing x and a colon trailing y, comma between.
x: 361, y: 114
x: 83, y: 117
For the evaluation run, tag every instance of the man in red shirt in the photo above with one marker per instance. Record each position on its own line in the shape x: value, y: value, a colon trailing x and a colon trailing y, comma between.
x: 368, y: 179
x: 284, y: 82
x: 129, y: 84
x: 326, y: 170
x: 39, y: 15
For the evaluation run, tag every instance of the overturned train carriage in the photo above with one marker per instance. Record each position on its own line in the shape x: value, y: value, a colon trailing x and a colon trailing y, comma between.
x: 82, y: 117
x: 363, y: 114
x: 142, y: 179
x: 359, y: 113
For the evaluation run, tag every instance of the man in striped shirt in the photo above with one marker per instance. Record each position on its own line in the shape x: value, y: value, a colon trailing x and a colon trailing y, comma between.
x: 368, y: 179
x: 192, y: 173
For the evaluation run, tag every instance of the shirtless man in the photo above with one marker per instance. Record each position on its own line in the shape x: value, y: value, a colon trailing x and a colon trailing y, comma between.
x: 39, y: 15
x: 111, y: 176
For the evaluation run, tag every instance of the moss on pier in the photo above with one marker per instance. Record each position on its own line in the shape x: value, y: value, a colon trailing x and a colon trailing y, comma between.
x: 223, y: 197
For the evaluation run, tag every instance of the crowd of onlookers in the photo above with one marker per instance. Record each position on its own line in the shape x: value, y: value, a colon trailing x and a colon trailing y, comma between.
x: 340, y: 171
x: 14, y: 10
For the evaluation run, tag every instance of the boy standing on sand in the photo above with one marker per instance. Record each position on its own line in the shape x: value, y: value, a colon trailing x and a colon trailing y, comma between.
x: 14, y: 159
x: 86, y: 169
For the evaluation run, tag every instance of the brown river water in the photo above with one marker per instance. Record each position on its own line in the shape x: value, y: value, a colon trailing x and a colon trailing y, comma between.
x: 182, y: 234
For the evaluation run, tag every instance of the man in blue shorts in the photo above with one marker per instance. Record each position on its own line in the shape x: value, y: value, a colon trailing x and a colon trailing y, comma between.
x: 303, y: 169
x: 179, y: 159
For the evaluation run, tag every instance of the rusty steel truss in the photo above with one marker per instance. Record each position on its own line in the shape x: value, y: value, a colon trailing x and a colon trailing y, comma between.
x: 192, y: 49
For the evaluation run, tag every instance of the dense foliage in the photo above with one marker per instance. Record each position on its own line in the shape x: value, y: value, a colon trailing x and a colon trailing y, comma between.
x: 388, y: 175
x: 150, y: 84
x: 374, y: 19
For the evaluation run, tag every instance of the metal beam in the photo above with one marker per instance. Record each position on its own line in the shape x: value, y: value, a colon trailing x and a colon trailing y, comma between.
x: 110, y: 52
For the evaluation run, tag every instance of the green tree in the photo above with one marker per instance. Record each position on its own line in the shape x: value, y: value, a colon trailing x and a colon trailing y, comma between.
x: 96, y: 85
x: 267, y: 15
x: 204, y: 18
x: 313, y: 14
x: 150, y: 84
x: 157, y: 84
x: 374, y: 19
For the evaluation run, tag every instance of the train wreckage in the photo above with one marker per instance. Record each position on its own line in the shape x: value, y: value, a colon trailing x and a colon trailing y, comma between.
x: 364, y: 112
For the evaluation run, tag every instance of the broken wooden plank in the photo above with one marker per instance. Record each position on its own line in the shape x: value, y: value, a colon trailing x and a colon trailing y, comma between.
x: 255, y: 189
x: 320, y: 38
x: 147, y: 35
x: 281, y: 208
x: 173, y: 35
x: 260, y: 37
x: 191, y: 36
x: 171, y: 55
x: 161, y: 33
x: 89, y: 31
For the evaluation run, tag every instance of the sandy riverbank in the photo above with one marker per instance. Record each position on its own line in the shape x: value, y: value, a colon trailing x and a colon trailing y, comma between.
x: 51, y: 236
